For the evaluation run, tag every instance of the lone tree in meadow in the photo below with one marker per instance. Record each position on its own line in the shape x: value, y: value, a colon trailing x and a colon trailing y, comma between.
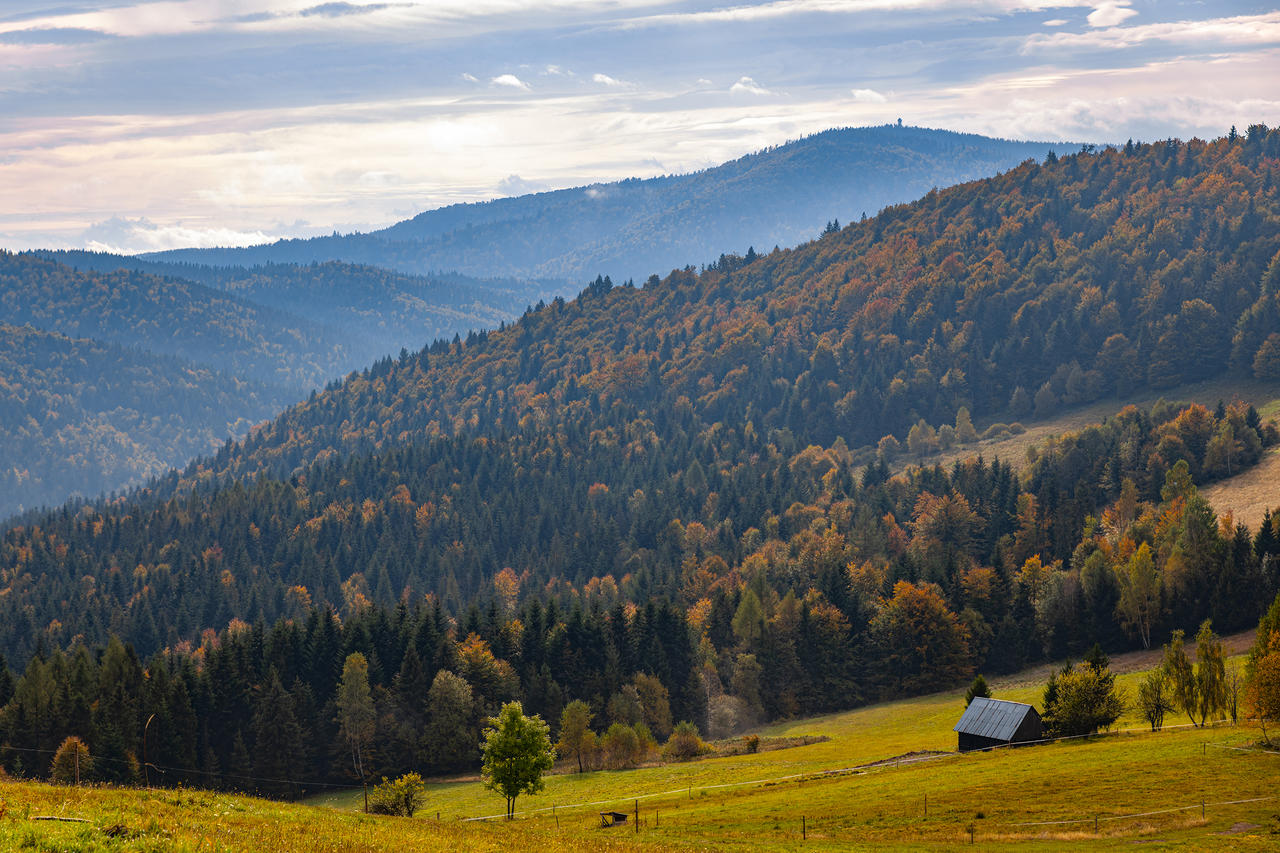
x: 517, y: 751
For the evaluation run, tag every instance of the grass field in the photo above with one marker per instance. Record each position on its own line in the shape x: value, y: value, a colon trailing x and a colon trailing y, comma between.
x: 868, y: 787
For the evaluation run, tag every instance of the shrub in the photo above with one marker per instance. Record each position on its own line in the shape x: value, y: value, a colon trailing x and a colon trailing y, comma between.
x: 402, y: 797
x: 685, y: 743
x: 621, y: 746
x: 752, y: 742
x: 996, y: 430
x: 66, y: 769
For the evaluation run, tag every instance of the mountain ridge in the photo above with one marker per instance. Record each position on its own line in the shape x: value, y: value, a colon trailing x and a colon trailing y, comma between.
x: 637, y: 227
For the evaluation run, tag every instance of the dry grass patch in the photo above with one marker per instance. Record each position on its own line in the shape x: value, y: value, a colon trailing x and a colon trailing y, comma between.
x: 1248, y: 496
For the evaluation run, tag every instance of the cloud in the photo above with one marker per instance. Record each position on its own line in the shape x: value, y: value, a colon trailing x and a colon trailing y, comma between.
x: 1253, y: 30
x: 511, y: 81
x: 338, y: 10
x: 514, y: 185
x: 133, y: 236
x: 1110, y: 13
x: 747, y: 86
x: 1056, y: 22
x: 751, y: 12
x: 868, y: 96
x: 606, y: 80
x: 470, y: 78
x: 53, y: 35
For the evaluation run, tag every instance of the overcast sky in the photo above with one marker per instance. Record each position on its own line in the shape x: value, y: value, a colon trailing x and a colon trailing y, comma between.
x: 142, y: 125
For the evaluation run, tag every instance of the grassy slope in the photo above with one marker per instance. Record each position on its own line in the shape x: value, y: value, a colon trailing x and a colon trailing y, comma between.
x: 875, y: 808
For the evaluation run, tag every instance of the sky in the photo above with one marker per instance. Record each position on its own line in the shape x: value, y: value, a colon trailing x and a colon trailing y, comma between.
x: 136, y: 125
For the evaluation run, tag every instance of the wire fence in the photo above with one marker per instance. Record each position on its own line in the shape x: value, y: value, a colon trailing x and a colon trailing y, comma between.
x: 1103, y: 819
x: 858, y: 769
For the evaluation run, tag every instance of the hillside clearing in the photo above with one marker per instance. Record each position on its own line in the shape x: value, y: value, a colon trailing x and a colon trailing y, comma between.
x: 1265, y: 397
x: 1249, y: 495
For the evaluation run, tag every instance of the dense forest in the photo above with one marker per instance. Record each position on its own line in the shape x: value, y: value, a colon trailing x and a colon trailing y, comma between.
x: 633, y: 228
x: 705, y: 446
x: 830, y: 606
x: 170, y: 317
x: 377, y: 311
x: 82, y: 417
x: 118, y: 406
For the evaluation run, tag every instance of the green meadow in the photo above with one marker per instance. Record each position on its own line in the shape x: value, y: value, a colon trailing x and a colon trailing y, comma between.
x: 885, y: 779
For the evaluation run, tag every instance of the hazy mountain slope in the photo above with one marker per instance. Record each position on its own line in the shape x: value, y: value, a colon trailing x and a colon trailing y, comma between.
x: 631, y: 229
x: 81, y: 417
x: 171, y: 317
x: 702, y: 432
x: 378, y: 311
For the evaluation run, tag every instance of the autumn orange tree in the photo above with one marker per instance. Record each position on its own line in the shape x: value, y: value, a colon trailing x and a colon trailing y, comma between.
x: 919, y: 642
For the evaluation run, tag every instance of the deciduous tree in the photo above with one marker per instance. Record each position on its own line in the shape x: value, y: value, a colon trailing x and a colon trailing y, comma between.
x: 516, y: 751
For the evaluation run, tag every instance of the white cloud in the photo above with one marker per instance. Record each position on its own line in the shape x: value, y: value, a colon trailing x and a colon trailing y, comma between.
x: 868, y: 96
x: 747, y: 86
x: 510, y: 81
x: 1243, y: 30
x: 132, y: 236
x: 606, y: 80
x: 470, y: 78
x: 514, y: 185
x: 749, y: 12
x: 1056, y: 22
x: 1110, y: 13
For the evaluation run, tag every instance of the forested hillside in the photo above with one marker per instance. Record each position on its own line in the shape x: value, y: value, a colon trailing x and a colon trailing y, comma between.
x: 1054, y: 284
x: 274, y: 332
x: 170, y: 317
x: 702, y: 441
x: 377, y: 311
x: 82, y: 417
x: 633, y: 228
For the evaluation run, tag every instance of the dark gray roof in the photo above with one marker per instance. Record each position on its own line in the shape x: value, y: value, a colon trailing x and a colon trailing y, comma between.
x: 993, y: 718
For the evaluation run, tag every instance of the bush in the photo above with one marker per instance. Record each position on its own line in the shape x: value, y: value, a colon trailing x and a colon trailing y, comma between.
x: 621, y: 747
x: 66, y: 770
x: 685, y: 743
x: 1080, y: 700
x: 402, y: 797
x: 996, y: 430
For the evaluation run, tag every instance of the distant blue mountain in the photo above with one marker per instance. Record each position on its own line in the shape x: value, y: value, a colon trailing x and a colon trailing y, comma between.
x: 631, y: 229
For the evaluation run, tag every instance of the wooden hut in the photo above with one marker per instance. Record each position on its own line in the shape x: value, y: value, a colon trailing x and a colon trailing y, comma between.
x: 996, y: 722
x: 608, y: 819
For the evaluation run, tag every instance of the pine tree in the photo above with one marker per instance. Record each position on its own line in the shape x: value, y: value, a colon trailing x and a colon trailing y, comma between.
x: 977, y: 689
